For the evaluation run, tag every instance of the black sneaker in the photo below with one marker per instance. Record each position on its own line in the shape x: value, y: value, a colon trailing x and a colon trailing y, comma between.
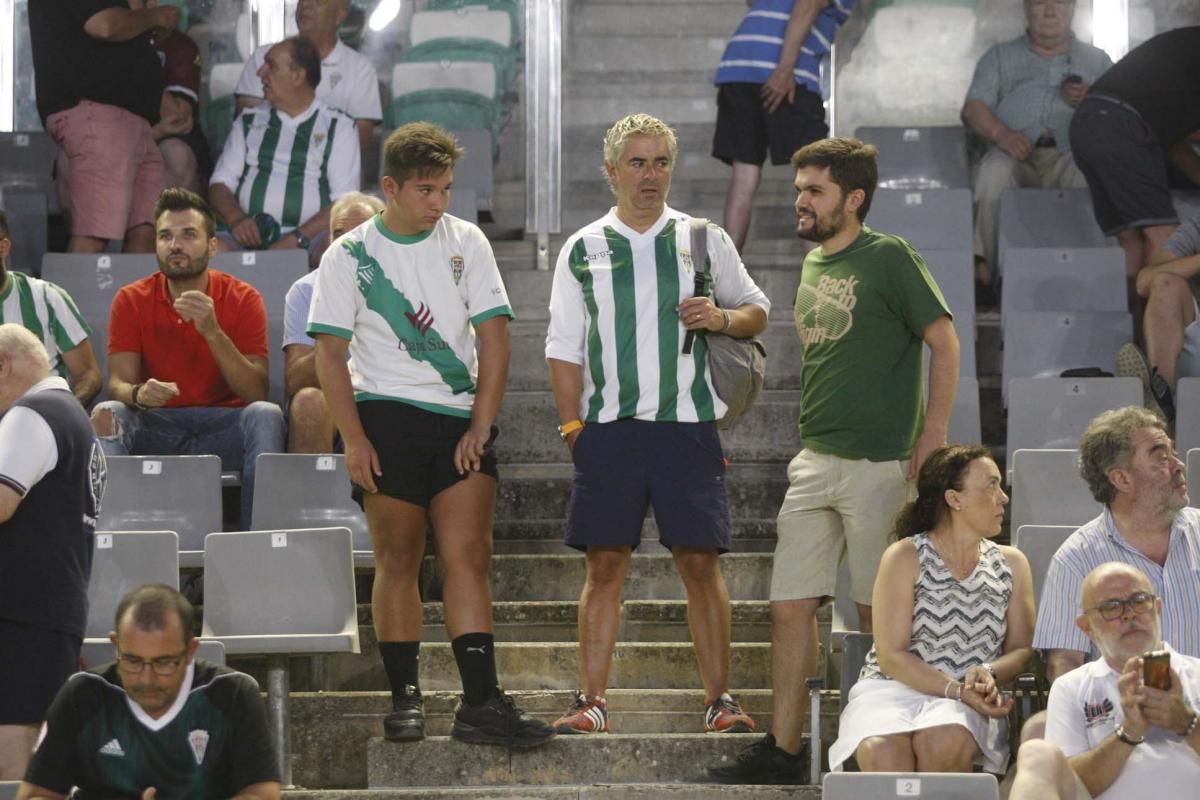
x: 763, y: 762
x: 1156, y: 392
x: 406, y: 723
x: 499, y: 721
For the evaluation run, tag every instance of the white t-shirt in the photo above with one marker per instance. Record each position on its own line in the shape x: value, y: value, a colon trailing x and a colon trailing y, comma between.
x: 1085, y: 708
x: 321, y: 139
x: 28, y: 450
x: 408, y: 305
x: 612, y: 310
x: 349, y: 82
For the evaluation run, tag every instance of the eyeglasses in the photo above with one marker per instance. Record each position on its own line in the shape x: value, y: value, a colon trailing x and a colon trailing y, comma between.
x: 1138, y: 603
x: 163, y: 665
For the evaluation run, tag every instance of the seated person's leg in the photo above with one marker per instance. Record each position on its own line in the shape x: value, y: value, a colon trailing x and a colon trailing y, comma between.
x: 261, y: 427
x: 116, y: 425
x: 147, y: 184
x: 1044, y: 774
x: 997, y: 172
x: 892, y: 753
x: 946, y: 748
x: 180, y: 166
x: 1170, y: 310
x: 310, y: 427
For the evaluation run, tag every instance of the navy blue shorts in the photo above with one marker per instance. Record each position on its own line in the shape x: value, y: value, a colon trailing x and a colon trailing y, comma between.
x: 34, y: 664
x: 624, y: 467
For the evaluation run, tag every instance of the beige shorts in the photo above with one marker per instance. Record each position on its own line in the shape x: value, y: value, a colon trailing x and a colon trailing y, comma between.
x: 835, y: 506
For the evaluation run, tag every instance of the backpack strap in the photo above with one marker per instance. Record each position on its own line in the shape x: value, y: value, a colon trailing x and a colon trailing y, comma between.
x: 698, y: 228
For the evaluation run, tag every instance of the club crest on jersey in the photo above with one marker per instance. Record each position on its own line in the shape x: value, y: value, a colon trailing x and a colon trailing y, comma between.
x: 456, y: 268
x: 198, y: 739
x: 319, y: 138
x: 685, y: 256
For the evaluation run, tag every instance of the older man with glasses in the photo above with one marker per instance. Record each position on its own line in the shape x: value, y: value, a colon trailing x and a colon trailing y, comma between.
x: 1116, y: 726
x: 157, y: 722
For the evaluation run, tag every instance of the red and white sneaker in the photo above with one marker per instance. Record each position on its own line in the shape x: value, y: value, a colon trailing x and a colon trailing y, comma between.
x: 586, y: 715
x: 724, y: 715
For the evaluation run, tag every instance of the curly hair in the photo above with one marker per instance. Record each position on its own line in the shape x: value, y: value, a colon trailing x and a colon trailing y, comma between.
x: 1105, y: 446
x: 635, y: 125
x: 944, y: 469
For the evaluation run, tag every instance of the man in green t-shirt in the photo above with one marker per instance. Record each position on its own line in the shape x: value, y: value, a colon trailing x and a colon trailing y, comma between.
x: 865, y: 308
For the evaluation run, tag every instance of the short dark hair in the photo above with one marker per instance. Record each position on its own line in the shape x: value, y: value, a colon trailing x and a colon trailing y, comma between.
x: 305, y: 56
x: 944, y: 469
x: 149, y: 605
x: 851, y: 164
x: 177, y: 199
x: 421, y: 149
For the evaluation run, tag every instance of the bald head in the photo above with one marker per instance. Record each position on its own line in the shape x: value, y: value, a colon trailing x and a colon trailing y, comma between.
x: 1120, y: 612
x: 1096, y: 586
x: 23, y: 362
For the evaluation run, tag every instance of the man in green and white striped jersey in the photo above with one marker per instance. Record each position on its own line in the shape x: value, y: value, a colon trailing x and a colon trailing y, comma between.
x: 639, y: 414
x: 288, y: 158
x: 50, y: 314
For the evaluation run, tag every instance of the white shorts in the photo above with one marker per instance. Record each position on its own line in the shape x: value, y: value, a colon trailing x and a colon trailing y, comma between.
x: 880, y: 707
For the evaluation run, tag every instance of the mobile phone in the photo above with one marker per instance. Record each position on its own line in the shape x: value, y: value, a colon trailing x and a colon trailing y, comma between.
x: 1156, y: 669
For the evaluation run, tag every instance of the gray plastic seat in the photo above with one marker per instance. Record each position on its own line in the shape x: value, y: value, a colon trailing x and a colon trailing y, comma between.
x: 920, y: 157
x: 27, y: 209
x: 27, y: 159
x: 926, y: 785
x: 94, y: 652
x: 1053, y: 412
x: 1193, y: 473
x: 474, y: 171
x: 1064, y: 279
x: 293, y: 490
x: 954, y: 271
x: 965, y: 427
x: 272, y: 273
x: 281, y: 593
x: 123, y: 561
x: 1046, y: 218
x: 1039, y: 543
x: 1187, y: 414
x: 179, y: 493
x: 8, y: 790
x: 938, y: 219
x: 1041, y: 344
x: 854, y: 646
x: 1047, y: 489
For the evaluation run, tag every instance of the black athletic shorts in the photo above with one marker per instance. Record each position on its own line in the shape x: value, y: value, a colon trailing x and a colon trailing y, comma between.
x: 746, y: 132
x: 34, y: 664
x: 416, y: 449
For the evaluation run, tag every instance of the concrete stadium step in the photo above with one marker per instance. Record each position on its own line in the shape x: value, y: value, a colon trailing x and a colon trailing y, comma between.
x: 667, y: 16
x: 528, y: 371
x: 330, y: 730
x: 599, y: 791
x: 634, y: 758
x: 528, y: 536
x: 768, y: 433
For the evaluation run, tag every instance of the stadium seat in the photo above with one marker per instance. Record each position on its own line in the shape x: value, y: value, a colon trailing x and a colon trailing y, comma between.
x: 8, y: 790
x: 965, y: 426
x: 1048, y: 490
x: 178, y: 493
x: 27, y: 209
x: 854, y: 647
x: 293, y: 490
x: 1187, y: 414
x: 1193, y: 472
x: 954, y: 272
x: 467, y: 22
x: 450, y: 108
x: 279, y: 593
x: 474, y: 171
x: 926, y: 785
x: 513, y: 8
x: 939, y: 219
x: 272, y: 273
x: 1053, y: 412
x: 27, y: 159
x: 1039, y: 543
x: 463, y: 205
x: 122, y: 561
x: 475, y: 77
x: 921, y: 158
x: 1187, y: 204
x: 1045, y: 343
x: 94, y: 652
x: 1064, y: 279
x: 220, y: 109
x: 1047, y: 218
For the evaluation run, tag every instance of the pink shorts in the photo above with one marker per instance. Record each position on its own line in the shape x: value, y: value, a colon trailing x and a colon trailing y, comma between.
x: 113, y: 172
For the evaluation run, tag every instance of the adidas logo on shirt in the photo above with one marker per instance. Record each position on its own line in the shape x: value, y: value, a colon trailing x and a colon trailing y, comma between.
x: 113, y: 748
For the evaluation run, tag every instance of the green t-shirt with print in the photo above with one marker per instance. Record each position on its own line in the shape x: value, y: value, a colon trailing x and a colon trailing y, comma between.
x: 861, y: 314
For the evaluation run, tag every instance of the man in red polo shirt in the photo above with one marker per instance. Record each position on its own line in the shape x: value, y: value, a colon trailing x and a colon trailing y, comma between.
x: 187, y: 355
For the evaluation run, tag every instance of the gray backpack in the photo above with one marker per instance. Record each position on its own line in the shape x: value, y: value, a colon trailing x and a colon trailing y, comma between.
x: 737, y: 366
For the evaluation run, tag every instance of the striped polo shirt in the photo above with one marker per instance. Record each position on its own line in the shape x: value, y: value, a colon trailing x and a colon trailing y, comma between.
x: 289, y: 167
x: 612, y: 310
x: 753, y: 51
x: 46, y: 310
x: 1177, y: 582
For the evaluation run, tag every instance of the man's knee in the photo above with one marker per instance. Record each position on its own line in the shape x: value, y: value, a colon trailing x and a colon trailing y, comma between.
x: 1034, y: 728
x: 308, y: 408
x: 606, y: 567
x: 1168, y: 287
x: 943, y: 746
x: 110, y: 419
x: 997, y: 171
x: 263, y: 425
x: 699, y: 568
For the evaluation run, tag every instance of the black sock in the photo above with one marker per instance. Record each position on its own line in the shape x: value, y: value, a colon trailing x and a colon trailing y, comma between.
x: 475, y: 654
x: 401, y: 662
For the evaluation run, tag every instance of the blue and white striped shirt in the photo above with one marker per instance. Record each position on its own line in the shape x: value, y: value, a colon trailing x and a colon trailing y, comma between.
x: 753, y: 51
x: 1098, y: 542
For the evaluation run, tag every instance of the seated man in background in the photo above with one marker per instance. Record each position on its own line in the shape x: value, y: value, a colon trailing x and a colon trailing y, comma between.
x: 310, y: 427
x: 158, y: 722
x: 1021, y: 101
x: 51, y: 315
x: 348, y: 82
x: 187, y: 356
x: 1110, y: 735
x: 286, y: 160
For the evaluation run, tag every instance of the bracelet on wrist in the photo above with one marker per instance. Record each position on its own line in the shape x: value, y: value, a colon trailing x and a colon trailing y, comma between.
x: 133, y: 397
x: 1126, y: 738
x: 958, y: 697
x: 946, y: 691
x: 728, y: 321
x: 1191, y: 726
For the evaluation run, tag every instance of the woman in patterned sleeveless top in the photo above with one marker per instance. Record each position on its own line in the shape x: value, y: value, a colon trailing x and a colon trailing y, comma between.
x: 954, y: 618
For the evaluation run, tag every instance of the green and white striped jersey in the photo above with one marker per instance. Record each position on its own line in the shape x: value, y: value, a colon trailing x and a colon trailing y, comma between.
x: 289, y: 167
x: 612, y: 310
x: 46, y: 310
x: 408, y: 305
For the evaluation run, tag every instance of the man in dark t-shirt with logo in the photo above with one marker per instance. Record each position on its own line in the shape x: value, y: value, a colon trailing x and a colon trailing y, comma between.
x: 156, y: 719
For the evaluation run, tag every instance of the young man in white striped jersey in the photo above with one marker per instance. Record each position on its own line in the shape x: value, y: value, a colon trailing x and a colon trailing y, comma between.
x: 288, y: 158
x: 638, y: 414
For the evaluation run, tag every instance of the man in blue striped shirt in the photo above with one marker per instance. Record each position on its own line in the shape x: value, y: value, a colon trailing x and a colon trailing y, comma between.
x: 1131, y: 466
x: 769, y: 93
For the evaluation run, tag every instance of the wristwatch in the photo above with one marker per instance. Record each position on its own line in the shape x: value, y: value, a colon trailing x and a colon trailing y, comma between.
x: 301, y: 240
